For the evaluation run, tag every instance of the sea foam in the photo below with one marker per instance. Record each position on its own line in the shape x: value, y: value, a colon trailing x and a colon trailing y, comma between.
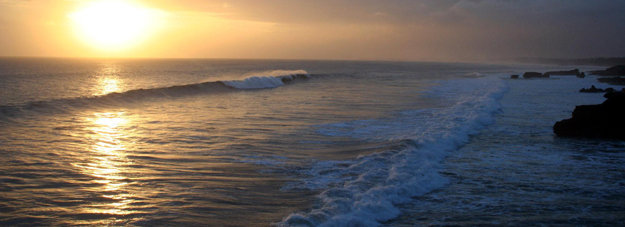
x: 366, y: 190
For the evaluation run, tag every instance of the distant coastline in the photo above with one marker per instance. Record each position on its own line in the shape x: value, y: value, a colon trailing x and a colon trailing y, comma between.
x: 600, y: 61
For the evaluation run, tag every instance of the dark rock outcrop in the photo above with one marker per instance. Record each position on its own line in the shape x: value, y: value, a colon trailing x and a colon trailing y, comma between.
x: 612, y: 80
x: 573, y: 72
x: 606, y: 120
x: 618, y: 70
x: 530, y: 75
x: 592, y: 89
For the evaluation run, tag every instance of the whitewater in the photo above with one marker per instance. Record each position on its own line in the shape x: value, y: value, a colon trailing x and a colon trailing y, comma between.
x: 297, y: 143
x: 368, y: 188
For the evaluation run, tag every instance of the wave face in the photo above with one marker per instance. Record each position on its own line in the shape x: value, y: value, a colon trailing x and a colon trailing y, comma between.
x: 277, y: 78
x: 365, y: 191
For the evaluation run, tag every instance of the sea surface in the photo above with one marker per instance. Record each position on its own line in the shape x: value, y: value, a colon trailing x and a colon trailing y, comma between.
x: 197, y: 142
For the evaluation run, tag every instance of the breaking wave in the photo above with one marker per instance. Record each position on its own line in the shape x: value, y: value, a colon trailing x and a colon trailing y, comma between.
x: 275, y: 79
x: 260, y: 82
x: 366, y: 190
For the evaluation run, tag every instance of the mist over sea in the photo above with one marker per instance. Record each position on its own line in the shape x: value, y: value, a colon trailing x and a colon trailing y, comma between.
x: 195, y: 142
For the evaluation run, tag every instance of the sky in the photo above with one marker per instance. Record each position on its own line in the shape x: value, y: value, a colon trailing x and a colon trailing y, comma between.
x: 405, y: 30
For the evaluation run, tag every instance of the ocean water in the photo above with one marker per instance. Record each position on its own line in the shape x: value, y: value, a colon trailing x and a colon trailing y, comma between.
x: 297, y: 143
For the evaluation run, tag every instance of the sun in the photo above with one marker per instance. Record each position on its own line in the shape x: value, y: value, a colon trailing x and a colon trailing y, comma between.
x: 114, y: 24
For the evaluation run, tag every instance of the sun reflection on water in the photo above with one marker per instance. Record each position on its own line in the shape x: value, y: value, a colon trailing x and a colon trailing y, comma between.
x: 108, y: 81
x: 108, y: 138
x: 109, y: 85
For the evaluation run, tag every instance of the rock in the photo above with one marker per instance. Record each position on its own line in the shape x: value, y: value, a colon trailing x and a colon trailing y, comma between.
x: 529, y: 75
x: 612, y: 80
x: 606, y: 120
x: 592, y: 89
x: 573, y: 72
x: 514, y: 76
x: 618, y: 70
x: 581, y: 75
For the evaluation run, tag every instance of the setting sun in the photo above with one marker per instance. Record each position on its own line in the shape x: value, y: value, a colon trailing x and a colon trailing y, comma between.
x: 114, y: 25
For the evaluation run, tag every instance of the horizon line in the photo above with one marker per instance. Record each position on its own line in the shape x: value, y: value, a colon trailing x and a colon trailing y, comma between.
x: 228, y: 58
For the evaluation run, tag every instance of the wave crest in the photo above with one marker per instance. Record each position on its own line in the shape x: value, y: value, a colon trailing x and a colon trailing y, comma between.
x: 365, y: 191
x: 275, y: 79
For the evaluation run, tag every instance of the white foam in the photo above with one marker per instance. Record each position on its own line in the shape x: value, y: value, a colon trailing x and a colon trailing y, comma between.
x: 269, y: 79
x: 365, y: 191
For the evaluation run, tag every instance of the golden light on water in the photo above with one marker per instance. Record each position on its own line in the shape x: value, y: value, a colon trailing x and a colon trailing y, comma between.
x: 108, y: 81
x: 109, y: 85
x: 107, y: 158
x: 107, y: 133
x: 112, y: 25
x: 109, y: 122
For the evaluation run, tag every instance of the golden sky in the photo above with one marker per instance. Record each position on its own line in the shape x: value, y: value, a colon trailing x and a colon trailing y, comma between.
x: 431, y: 30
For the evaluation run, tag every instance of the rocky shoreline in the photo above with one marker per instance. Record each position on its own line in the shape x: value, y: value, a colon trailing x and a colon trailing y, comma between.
x: 594, y: 89
x: 605, y: 120
x: 618, y: 70
x: 532, y: 75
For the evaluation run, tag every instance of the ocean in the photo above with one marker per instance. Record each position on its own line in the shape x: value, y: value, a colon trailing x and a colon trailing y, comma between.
x: 210, y: 142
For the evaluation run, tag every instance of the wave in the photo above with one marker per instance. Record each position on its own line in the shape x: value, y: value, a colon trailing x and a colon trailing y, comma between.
x: 276, y: 79
x: 260, y: 82
x: 365, y: 191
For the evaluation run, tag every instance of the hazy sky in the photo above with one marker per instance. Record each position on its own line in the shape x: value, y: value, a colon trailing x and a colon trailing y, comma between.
x: 433, y: 30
